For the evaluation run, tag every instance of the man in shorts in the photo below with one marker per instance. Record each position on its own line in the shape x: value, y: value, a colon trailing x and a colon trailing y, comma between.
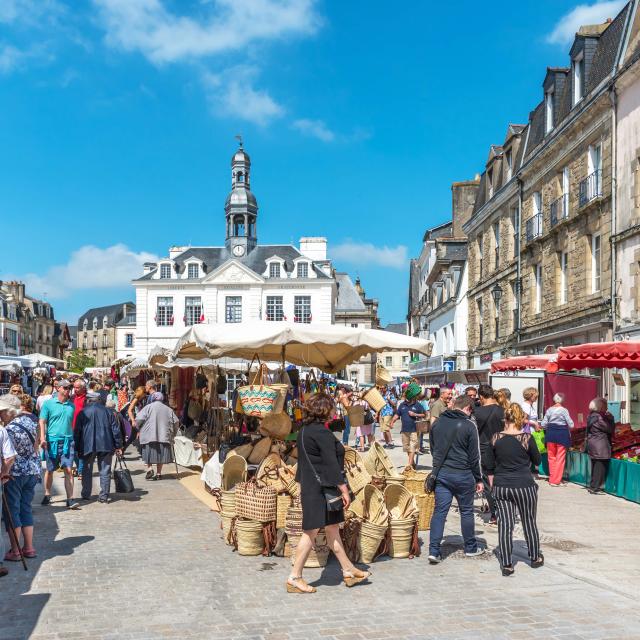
x: 385, y: 416
x: 56, y: 437
x: 409, y: 412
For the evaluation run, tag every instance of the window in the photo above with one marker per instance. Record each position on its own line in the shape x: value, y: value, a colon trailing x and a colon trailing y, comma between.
x: 595, y: 167
x: 514, y: 217
x: 11, y: 337
x: 94, y: 324
x: 596, y: 263
x: 94, y: 342
x: 193, y: 271
x: 84, y: 343
x: 388, y: 361
x: 534, y: 224
x: 302, y: 309
x: 233, y: 309
x: 537, y: 203
x: 490, y: 183
x: 564, y: 278
x: 480, y: 257
x: 496, y: 237
x: 85, y: 324
x: 480, y: 322
x: 354, y: 325
x: 165, y: 271
x: 303, y: 270
x: 496, y: 314
x: 131, y: 317
x: 128, y: 340
x: 192, y: 310
x: 508, y: 158
x: 274, y: 270
x: 240, y: 177
x: 105, y: 341
x: 538, y: 288
x: 578, y: 78
x: 275, y: 311
x: 548, y: 111
x: 11, y: 311
x: 405, y: 362
x: 566, y: 175
x: 164, y: 311
x: 105, y: 322
x: 514, y: 297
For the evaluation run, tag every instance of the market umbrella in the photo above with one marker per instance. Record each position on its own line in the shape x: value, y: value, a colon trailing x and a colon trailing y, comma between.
x: 135, y: 367
x: 10, y: 365
x: 36, y: 358
x: 545, y: 361
x: 158, y: 355
x: 599, y: 355
x: 327, y: 347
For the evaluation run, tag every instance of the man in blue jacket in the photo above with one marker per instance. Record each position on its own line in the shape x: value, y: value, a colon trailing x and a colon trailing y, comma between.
x: 455, y: 447
x: 97, y: 435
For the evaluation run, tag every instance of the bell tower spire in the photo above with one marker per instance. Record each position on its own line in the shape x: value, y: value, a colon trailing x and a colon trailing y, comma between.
x: 241, y: 207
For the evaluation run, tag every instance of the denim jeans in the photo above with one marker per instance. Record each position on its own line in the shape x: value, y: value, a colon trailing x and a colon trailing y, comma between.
x: 19, y: 491
x: 104, y: 467
x: 1, y: 534
x: 347, y: 430
x: 462, y: 486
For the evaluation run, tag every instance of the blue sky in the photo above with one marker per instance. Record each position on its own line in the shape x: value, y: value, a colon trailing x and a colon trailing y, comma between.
x: 118, y: 120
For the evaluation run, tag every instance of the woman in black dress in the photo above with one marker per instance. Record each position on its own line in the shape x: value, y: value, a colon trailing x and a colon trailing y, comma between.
x: 320, y: 464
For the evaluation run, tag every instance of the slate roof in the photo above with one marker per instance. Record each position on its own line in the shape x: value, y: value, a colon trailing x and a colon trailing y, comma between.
x: 256, y: 259
x: 114, y: 313
x: 396, y: 327
x: 605, y: 55
x: 348, y: 297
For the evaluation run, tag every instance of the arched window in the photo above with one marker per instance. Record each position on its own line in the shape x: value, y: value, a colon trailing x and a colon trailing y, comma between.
x: 85, y: 324
x: 238, y: 226
x: 95, y: 323
x: 105, y: 322
x: 240, y: 177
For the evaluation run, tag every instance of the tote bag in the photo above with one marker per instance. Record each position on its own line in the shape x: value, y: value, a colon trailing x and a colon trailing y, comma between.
x: 122, y: 477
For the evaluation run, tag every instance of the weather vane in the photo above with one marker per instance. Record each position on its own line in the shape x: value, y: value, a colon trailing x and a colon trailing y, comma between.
x: 239, y: 139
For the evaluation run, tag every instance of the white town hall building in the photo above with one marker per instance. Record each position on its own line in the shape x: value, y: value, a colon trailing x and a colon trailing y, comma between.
x: 240, y: 282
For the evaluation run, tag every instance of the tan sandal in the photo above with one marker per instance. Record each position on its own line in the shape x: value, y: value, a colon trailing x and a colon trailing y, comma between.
x: 292, y: 588
x: 355, y: 576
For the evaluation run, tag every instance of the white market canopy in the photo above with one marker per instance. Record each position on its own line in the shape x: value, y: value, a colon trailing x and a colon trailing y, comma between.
x: 327, y: 347
x: 13, y: 366
x: 135, y: 367
x: 41, y: 358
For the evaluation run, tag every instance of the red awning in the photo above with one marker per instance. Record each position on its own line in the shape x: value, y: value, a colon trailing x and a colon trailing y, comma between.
x: 600, y: 355
x: 544, y: 361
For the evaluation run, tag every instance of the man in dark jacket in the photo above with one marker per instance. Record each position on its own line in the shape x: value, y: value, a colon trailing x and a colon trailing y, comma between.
x: 457, y: 467
x: 97, y: 435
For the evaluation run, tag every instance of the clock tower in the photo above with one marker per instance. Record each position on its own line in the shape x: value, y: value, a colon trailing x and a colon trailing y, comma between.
x: 241, y: 207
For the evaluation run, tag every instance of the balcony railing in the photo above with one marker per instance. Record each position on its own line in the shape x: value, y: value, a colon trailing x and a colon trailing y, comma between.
x: 533, y: 227
x: 559, y: 209
x: 590, y: 188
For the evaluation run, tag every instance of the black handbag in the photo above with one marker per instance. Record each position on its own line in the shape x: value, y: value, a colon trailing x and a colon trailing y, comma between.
x: 122, y: 477
x: 332, y: 495
x: 430, y: 480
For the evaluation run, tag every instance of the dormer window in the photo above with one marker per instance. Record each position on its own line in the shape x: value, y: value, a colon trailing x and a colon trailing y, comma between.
x: 105, y: 322
x: 95, y: 323
x: 165, y: 271
x: 85, y: 324
x: 302, y: 270
x: 274, y: 270
x: 193, y: 271
x: 508, y: 159
x: 490, y: 183
x: 548, y: 111
x: 578, y: 78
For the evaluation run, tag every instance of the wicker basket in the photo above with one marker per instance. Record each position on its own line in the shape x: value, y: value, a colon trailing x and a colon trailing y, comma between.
x: 244, y: 450
x: 374, y: 509
x: 234, y: 470
x: 319, y: 555
x: 283, y: 503
x: 414, y: 482
x: 371, y: 535
x: 357, y: 476
x: 225, y: 522
x: 278, y: 405
x: 260, y: 451
x: 228, y: 501
x: 399, y: 480
x: 377, y: 462
x: 400, y: 503
x: 250, y: 538
x: 257, y: 400
x: 356, y: 415
x: 256, y: 503
x: 374, y: 399
x: 276, y: 425
x: 401, y: 538
x: 426, y: 505
x: 293, y: 520
x: 293, y: 488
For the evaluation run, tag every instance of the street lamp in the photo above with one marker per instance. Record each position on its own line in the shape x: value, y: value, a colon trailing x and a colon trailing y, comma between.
x: 496, y: 293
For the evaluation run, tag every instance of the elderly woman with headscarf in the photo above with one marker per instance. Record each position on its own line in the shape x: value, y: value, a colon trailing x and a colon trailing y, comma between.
x: 600, y: 428
x: 158, y: 425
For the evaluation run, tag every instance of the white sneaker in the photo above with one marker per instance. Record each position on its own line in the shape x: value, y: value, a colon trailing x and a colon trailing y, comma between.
x: 434, y: 559
x: 480, y: 551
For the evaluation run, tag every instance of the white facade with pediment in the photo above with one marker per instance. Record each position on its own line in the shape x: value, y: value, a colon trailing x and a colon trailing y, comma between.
x: 239, y: 282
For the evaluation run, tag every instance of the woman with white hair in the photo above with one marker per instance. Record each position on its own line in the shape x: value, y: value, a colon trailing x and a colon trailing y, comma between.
x: 557, y: 425
x: 600, y: 427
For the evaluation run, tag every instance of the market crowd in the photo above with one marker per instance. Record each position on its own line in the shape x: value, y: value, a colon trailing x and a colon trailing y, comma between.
x: 73, y: 425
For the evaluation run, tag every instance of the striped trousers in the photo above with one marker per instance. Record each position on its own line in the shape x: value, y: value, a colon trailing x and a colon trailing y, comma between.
x: 525, y: 500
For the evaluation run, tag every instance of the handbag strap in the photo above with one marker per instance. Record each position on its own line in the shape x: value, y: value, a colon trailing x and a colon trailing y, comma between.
x: 435, y: 471
x: 306, y: 455
x: 25, y: 430
x: 121, y: 462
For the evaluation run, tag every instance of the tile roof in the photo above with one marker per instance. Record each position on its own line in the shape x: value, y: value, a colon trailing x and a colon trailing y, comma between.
x: 604, y: 58
x: 396, y: 327
x: 114, y: 313
x: 348, y: 297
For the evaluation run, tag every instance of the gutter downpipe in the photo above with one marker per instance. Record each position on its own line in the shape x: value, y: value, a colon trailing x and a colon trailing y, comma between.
x: 614, y: 202
x: 519, y: 260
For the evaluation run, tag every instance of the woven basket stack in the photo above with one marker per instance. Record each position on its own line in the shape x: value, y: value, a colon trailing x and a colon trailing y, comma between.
x: 380, y: 467
x: 426, y: 502
x: 403, y: 516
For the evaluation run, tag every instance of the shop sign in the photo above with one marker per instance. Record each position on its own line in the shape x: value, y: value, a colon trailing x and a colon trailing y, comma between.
x: 486, y: 357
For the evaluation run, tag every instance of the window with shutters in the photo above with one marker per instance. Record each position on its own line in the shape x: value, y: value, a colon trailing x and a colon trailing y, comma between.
x: 233, y: 309
x: 164, y: 311
x: 302, y: 309
x: 192, y: 310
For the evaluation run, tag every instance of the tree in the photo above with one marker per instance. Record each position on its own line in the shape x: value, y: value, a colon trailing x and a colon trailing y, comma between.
x: 78, y: 360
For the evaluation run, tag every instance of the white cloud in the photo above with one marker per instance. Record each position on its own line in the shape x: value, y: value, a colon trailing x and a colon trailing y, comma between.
x: 365, y: 253
x: 89, y: 267
x: 29, y: 12
x: 162, y: 36
x: 10, y: 58
x: 315, y: 129
x: 584, y: 14
x: 232, y: 94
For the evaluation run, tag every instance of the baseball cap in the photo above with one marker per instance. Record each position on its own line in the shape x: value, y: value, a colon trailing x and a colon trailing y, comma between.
x: 65, y: 384
x: 9, y: 401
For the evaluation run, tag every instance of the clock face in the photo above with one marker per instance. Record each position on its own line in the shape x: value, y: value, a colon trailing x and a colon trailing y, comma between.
x: 238, y: 250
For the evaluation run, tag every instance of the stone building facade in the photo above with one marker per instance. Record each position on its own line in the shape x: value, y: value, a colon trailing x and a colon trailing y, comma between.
x: 540, y: 236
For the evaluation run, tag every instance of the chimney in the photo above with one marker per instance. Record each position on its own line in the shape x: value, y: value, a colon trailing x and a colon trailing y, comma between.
x: 314, y: 248
x: 175, y: 251
x: 463, y: 199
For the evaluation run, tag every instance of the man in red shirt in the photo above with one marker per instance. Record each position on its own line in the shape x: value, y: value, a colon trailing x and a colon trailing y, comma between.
x: 79, y: 399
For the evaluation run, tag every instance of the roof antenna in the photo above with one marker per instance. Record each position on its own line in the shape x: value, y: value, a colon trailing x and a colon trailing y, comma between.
x: 239, y: 139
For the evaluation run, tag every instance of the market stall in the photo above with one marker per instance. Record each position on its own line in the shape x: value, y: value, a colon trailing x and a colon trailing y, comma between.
x: 254, y: 513
x: 623, y: 476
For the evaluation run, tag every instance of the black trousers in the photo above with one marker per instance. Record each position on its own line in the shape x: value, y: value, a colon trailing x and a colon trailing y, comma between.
x: 485, y: 481
x: 598, y: 473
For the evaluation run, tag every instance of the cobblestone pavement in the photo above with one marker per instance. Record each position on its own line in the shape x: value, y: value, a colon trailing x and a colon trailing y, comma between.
x: 153, y: 565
